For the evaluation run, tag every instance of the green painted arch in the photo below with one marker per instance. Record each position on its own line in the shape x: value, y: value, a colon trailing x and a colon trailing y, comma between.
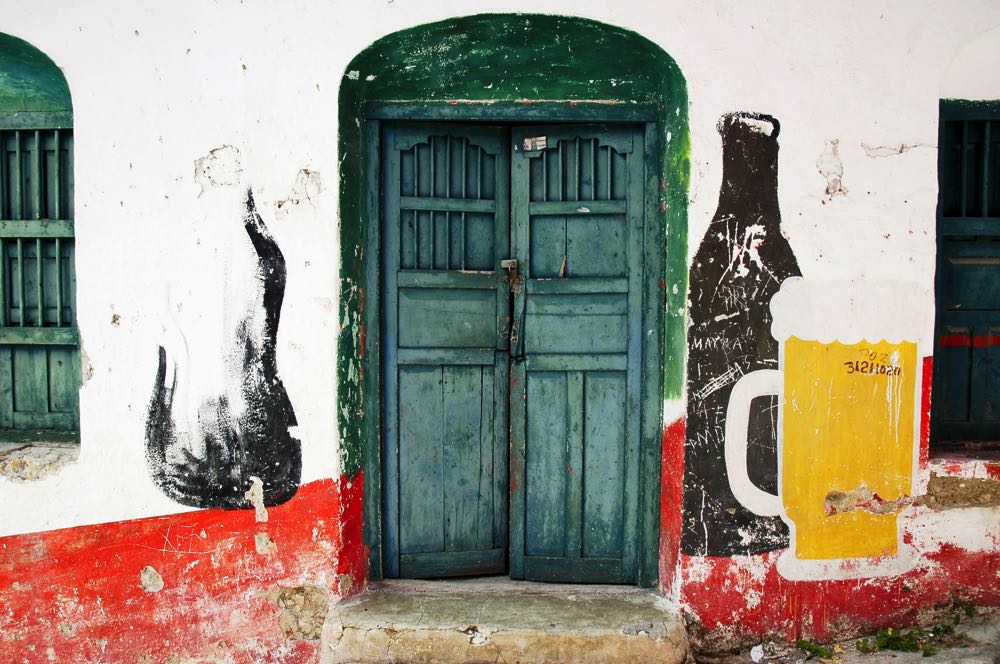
x: 521, y: 58
x: 30, y: 82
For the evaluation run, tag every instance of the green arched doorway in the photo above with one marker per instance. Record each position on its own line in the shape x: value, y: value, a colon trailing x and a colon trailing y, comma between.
x: 512, y: 70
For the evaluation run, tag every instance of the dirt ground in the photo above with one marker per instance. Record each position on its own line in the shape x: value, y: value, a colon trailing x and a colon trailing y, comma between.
x: 969, y: 635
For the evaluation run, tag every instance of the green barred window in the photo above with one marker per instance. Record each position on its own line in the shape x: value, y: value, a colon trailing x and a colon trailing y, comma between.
x: 39, y: 340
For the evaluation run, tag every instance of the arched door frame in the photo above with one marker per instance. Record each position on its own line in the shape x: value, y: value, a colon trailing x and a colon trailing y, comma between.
x: 658, y: 101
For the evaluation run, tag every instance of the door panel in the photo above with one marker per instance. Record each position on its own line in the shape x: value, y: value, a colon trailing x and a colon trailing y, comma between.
x: 565, y: 360
x: 966, y: 389
x: 445, y: 229
x: 576, y: 230
x: 967, y: 369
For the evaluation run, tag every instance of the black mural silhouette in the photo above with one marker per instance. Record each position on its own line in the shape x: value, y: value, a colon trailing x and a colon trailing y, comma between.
x: 738, y: 267
x: 255, y: 444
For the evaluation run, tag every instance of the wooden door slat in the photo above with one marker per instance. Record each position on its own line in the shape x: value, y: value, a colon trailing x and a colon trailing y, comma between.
x: 441, y: 362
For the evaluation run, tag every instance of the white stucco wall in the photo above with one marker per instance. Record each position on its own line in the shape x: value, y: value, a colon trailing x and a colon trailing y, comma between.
x: 156, y: 87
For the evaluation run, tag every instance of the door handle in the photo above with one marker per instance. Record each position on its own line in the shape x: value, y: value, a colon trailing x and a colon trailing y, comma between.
x: 520, y: 292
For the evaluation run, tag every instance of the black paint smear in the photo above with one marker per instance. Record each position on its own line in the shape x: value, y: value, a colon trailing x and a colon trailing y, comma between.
x: 730, y: 335
x: 258, y: 443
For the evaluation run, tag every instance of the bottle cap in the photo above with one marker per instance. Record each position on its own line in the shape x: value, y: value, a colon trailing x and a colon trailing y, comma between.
x: 759, y: 123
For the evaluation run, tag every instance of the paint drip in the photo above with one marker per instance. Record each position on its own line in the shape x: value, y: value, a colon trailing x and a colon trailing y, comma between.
x: 237, y: 449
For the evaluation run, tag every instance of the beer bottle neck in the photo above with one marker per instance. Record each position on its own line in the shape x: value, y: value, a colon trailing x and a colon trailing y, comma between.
x: 749, y: 176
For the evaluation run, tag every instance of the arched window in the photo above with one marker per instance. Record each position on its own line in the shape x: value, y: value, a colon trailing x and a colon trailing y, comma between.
x: 39, y: 340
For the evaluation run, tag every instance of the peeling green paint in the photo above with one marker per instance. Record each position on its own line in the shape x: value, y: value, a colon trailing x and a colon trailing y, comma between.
x: 504, y: 58
x: 29, y: 81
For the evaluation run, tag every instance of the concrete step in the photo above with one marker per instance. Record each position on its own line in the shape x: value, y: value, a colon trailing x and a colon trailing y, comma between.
x: 504, y: 621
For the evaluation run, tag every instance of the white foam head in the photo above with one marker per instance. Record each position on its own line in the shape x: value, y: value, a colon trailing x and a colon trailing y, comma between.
x: 851, y: 311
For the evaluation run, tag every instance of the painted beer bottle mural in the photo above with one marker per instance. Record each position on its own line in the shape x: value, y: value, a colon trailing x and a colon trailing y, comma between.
x: 739, y: 266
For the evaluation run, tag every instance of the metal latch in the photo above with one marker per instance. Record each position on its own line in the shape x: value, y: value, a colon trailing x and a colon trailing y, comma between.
x: 509, y: 264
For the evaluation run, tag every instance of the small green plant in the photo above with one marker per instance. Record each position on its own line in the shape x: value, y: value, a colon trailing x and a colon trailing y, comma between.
x: 813, y: 649
x: 894, y: 639
x: 912, y: 640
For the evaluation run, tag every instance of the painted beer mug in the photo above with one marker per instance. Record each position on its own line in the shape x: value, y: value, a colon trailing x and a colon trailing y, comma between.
x: 846, y: 426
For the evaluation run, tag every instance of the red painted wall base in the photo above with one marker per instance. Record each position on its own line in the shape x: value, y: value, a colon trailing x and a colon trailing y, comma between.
x: 74, y: 595
x: 743, y: 601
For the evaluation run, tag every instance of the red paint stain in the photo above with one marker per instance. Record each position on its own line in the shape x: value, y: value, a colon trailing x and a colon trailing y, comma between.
x: 78, y: 590
x: 745, y: 600
x: 352, y: 559
x: 671, y: 497
x: 965, y: 340
x: 952, y: 468
x: 925, y: 410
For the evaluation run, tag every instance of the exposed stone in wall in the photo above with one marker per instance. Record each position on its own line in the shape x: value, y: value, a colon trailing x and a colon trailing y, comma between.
x: 27, y: 462
x: 303, y: 610
x: 264, y: 545
x: 950, y: 492
x: 150, y: 579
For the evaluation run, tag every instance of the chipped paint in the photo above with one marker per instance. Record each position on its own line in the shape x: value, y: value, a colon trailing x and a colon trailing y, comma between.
x: 198, y: 590
x: 255, y: 496
x: 150, y: 580
x: 831, y: 167
x: 264, y: 545
x: 307, y: 187
x: 877, y: 151
x: 220, y: 167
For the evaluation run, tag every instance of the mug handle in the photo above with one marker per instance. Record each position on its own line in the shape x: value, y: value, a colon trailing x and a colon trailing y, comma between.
x: 754, y: 384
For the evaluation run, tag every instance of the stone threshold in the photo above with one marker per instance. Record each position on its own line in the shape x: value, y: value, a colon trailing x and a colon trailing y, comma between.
x: 497, y: 619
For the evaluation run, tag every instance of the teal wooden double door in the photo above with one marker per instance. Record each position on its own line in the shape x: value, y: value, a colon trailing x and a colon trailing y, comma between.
x: 512, y: 343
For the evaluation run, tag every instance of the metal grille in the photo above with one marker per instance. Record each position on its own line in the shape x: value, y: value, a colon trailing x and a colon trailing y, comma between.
x: 970, y: 169
x: 578, y: 170
x: 39, y: 365
x: 447, y: 191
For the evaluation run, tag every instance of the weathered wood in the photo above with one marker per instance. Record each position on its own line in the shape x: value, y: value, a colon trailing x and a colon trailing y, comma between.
x: 36, y: 228
x: 514, y: 112
x: 448, y: 356
x: 432, y: 279
x: 585, y: 570
x: 545, y: 515
x: 577, y: 285
x: 36, y: 120
x: 44, y: 336
x: 438, y: 204
x: 576, y: 207
x: 39, y: 360
x: 452, y: 563
x: 576, y: 362
x: 653, y: 307
x: 441, y: 489
x: 582, y: 335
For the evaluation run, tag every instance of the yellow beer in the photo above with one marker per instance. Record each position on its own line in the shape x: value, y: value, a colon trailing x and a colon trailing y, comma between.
x: 847, y: 434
